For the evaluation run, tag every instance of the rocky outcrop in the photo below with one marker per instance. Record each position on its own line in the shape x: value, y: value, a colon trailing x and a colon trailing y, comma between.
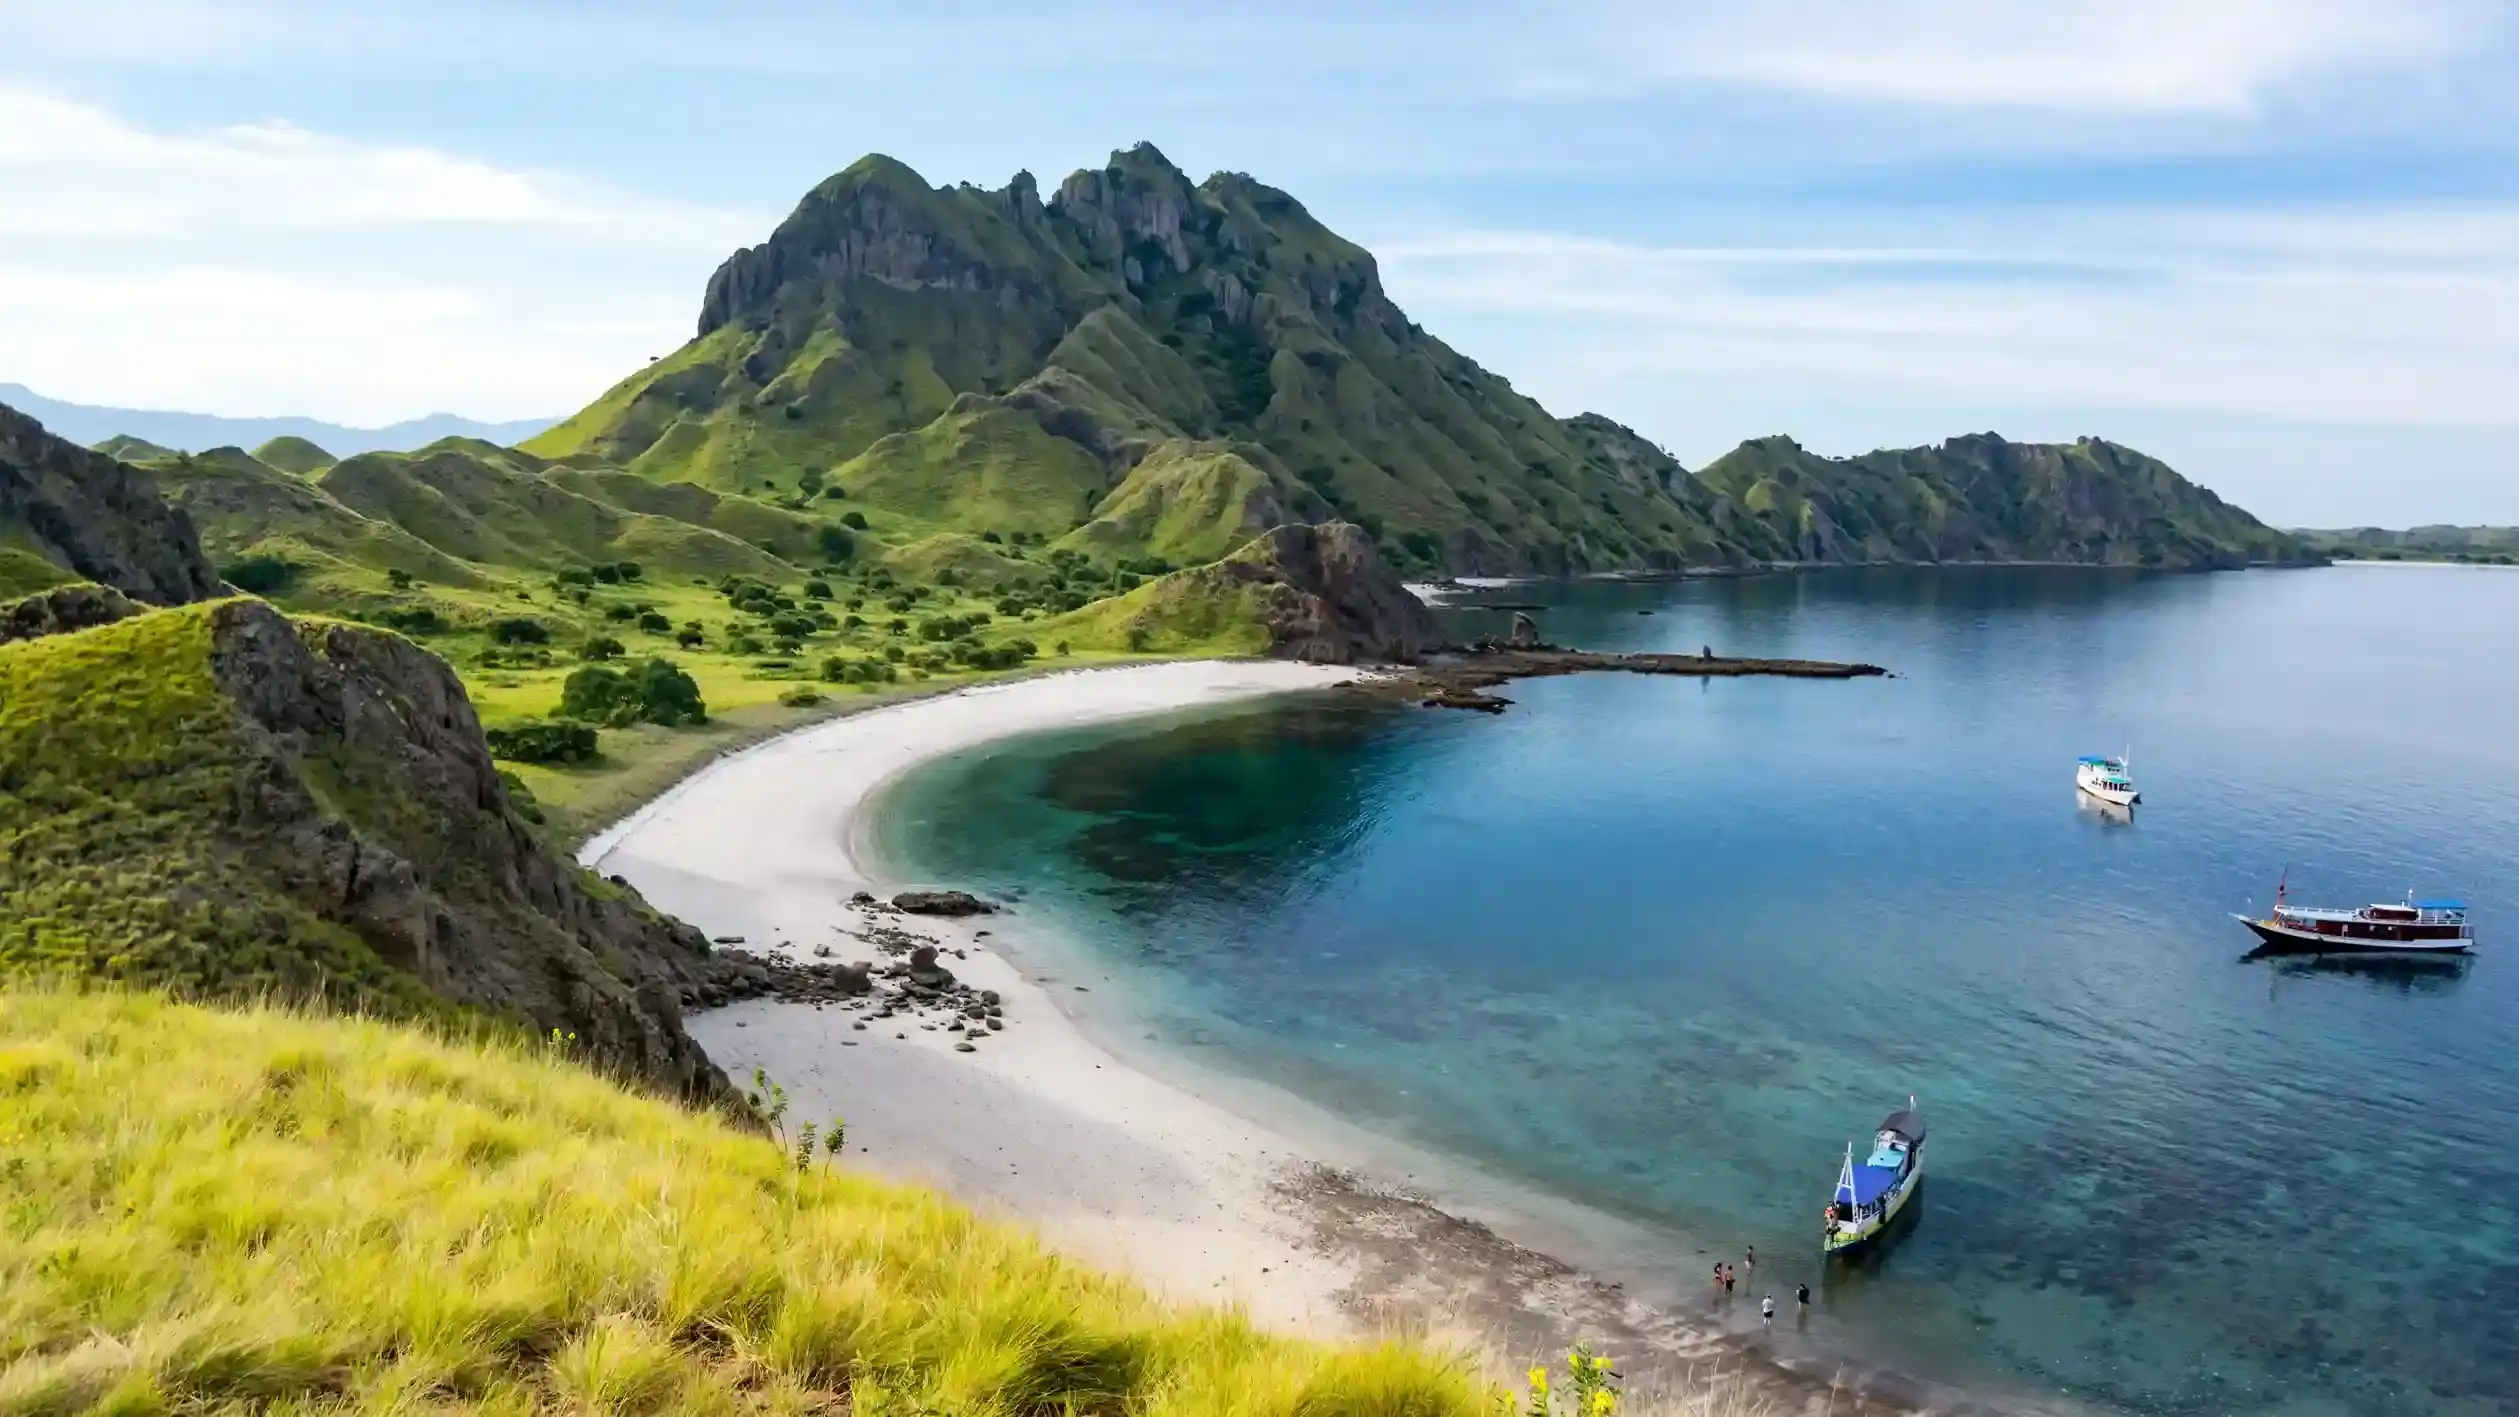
x: 1328, y: 598
x: 945, y: 903
x: 372, y: 802
x: 100, y: 519
x: 62, y: 610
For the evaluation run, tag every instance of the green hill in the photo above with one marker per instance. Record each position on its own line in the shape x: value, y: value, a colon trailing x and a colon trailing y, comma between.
x: 1143, y: 367
x: 290, y: 453
x: 1981, y: 498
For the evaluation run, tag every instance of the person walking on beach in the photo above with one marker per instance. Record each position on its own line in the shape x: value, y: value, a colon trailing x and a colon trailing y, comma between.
x: 1767, y: 1308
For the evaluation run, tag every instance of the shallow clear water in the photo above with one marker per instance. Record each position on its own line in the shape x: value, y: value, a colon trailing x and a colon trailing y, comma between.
x: 1665, y: 947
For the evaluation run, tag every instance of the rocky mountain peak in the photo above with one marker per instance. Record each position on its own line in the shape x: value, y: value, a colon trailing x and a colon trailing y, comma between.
x: 1132, y: 212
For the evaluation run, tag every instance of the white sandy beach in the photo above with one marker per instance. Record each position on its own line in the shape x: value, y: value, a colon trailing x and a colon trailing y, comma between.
x: 1106, y: 1162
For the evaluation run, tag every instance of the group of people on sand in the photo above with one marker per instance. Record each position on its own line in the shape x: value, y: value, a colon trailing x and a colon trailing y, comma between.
x: 1724, y: 1279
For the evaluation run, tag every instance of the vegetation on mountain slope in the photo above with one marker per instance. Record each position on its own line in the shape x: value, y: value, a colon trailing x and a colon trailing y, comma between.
x: 1981, y: 498
x: 228, y: 1212
x: 1142, y: 367
x: 220, y: 802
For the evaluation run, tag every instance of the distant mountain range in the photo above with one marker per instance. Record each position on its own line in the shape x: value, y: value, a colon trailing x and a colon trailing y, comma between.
x: 2488, y: 545
x: 194, y: 432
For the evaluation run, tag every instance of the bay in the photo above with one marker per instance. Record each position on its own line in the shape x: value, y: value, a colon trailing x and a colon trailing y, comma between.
x: 1665, y: 947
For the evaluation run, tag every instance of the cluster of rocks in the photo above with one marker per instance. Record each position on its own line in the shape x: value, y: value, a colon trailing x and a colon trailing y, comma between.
x: 733, y: 975
x: 911, y: 984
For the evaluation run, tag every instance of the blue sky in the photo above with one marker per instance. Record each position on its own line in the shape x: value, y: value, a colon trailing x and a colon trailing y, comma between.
x: 2275, y: 241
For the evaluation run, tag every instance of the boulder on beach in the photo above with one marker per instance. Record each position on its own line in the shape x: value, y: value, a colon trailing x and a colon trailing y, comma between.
x: 924, y: 969
x: 955, y: 903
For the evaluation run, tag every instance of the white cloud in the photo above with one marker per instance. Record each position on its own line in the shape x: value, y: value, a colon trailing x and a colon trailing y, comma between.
x: 74, y: 170
x: 2111, y: 56
x: 264, y: 268
x: 2404, y: 317
x: 254, y: 342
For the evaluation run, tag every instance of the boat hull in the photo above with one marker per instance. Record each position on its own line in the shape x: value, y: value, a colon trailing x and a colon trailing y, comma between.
x: 2276, y: 939
x: 2116, y: 794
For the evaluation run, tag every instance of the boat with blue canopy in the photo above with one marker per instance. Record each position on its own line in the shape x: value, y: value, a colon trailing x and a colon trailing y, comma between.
x: 1872, y: 1192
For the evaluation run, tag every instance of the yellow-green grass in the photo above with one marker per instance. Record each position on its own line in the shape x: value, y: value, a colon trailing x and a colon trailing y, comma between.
x: 125, y: 771
x: 256, y: 1210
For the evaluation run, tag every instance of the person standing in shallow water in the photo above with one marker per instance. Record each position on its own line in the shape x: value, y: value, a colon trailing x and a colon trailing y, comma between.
x: 1801, y: 1303
x: 1749, y: 1259
x: 1767, y: 1308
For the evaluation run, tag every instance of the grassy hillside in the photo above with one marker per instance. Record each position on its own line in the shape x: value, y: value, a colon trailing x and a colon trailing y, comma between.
x: 220, y: 802
x: 125, y: 762
x: 230, y: 1212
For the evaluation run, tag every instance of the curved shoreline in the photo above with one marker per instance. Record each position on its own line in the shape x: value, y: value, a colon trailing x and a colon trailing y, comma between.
x: 1125, y: 1161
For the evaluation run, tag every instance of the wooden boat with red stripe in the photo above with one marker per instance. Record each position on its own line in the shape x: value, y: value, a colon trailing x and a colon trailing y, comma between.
x: 2412, y: 927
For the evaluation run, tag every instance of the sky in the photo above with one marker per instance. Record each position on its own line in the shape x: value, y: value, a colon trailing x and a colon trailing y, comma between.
x: 2275, y: 242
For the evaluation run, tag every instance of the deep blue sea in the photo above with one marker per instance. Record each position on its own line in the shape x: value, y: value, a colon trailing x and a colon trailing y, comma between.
x: 1664, y: 947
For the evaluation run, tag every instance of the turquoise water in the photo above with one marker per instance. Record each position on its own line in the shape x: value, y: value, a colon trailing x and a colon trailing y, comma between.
x: 1665, y: 947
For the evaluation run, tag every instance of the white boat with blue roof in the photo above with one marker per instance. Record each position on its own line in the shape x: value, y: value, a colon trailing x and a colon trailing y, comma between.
x: 1872, y: 1192
x: 2111, y: 780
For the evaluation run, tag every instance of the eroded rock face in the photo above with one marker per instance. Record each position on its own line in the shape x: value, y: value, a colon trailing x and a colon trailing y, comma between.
x: 378, y: 805
x: 61, y: 610
x: 101, y: 519
x: 1331, y: 600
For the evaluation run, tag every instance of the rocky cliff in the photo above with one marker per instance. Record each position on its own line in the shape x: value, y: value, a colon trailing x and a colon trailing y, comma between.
x: 95, y: 518
x: 220, y: 800
x: 1325, y: 596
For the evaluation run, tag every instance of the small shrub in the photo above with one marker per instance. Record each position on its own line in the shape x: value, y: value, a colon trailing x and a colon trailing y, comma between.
x: 654, y: 691
x: 543, y: 743
x: 519, y: 630
x: 992, y: 538
x: 259, y: 574
x: 836, y: 544
x: 834, y: 492
x: 854, y: 521
x: 655, y: 623
x: 410, y: 620
x: 800, y: 697
x: 398, y: 579
x: 743, y: 644
x: 691, y: 636
x: 817, y: 590
x: 618, y: 614
x: 1138, y: 638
